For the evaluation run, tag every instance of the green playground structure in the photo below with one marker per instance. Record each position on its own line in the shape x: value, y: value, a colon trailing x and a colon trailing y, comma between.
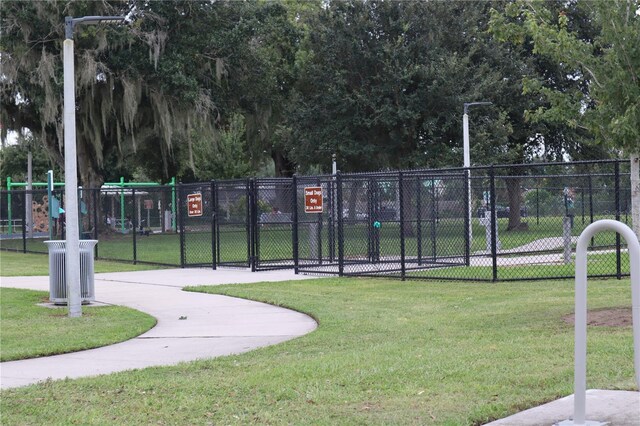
x: 121, y: 185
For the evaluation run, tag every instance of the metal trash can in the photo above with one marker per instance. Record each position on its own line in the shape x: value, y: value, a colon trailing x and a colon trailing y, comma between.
x: 57, y: 281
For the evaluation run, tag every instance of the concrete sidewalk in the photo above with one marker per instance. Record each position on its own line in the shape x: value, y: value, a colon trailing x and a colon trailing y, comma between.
x: 621, y: 408
x: 213, y: 326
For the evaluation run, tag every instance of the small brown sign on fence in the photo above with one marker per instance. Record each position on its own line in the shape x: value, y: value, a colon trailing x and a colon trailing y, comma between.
x: 313, y: 199
x: 148, y: 204
x: 194, y: 205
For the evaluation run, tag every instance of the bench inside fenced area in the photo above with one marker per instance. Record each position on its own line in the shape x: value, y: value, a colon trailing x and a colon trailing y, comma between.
x: 487, y: 223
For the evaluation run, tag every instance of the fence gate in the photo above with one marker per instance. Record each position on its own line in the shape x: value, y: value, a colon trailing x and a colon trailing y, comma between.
x: 315, y: 236
x: 273, y: 219
x: 233, y: 223
x: 197, y: 224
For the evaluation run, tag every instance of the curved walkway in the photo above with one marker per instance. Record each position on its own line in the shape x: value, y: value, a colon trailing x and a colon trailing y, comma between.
x: 211, y: 325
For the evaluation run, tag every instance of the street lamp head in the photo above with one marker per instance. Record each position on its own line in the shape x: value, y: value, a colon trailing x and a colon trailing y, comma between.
x: 467, y: 105
x: 70, y: 22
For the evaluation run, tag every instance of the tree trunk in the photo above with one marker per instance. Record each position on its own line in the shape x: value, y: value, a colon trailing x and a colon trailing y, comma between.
x: 91, y: 180
x: 284, y: 167
x: 409, y: 208
x: 515, y: 198
x: 635, y: 193
x: 353, y: 189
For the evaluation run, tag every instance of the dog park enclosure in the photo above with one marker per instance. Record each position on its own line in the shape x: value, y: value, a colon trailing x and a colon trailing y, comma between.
x: 444, y: 224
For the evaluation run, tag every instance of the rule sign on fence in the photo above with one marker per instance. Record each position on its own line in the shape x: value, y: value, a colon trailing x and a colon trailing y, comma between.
x: 313, y: 199
x: 194, y: 202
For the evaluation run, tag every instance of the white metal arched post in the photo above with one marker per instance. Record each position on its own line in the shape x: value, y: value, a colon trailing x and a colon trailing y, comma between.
x: 580, y: 378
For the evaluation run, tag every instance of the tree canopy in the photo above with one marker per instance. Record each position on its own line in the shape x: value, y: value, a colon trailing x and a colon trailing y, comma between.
x: 596, y: 45
x: 200, y: 89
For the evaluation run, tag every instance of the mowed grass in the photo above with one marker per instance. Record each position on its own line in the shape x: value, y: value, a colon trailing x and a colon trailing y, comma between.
x: 385, y: 352
x: 30, y: 331
x: 598, y: 265
x: 14, y: 264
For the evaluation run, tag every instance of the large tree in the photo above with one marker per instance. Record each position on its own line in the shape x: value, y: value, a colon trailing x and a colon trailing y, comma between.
x: 176, y: 73
x: 382, y: 84
x: 132, y: 89
x: 606, y: 64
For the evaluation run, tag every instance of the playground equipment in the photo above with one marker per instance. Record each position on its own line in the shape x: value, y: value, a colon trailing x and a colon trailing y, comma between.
x: 580, y: 379
x: 121, y: 188
x: 40, y: 210
x: 34, y: 208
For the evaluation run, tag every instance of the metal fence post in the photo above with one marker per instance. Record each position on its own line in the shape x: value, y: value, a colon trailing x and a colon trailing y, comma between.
x: 49, y: 198
x: 251, y: 231
x: 467, y: 219
x: 591, y: 207
x: 582, y: 203
x: 331, y: 221
x: 434, y: 218
x: 340, y: 224
x: 24, y: 223
x: 80, y: 224
x: 402, y: 242
x: 294, y: 225
x: 319, y: 232
x: 96, y: 205
x: 217, y: 239
x: 9, y: 205
x: 376, y: 231
x: 494, y: 225
x: 135, y: 226
x: 617, y: 191
x: 419, y: 219
x: 249, y: 221
x: 371, y: 214
x: 178, y: 205
x: 537, y: 206
x: 214, y: 219
x: 254, y: 226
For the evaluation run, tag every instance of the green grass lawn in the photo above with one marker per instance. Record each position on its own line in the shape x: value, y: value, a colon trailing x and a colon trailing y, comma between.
x: 598, y: 265
x: 385, y: 352
x: 14, y: 264
x: 30, y: 331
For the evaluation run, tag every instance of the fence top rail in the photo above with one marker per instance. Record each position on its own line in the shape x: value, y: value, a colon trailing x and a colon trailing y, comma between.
x: 487, y: 167
x: 322, y: 175
x: 428, y: 174
x: 317, y: 178
x: 231, y: 181
x: 551, y: 164
x: 273, y: 179
x: 556, y: 176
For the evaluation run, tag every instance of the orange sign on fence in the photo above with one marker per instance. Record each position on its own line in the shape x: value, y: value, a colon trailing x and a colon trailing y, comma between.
x: 194, y: 205
x: 313, y: 199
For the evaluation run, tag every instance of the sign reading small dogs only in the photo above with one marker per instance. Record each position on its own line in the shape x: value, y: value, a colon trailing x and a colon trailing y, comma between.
x: 313, y: 199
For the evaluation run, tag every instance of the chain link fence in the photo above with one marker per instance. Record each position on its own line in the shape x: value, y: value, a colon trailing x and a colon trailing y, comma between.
x: 483, y: 223
x: 273, y: 215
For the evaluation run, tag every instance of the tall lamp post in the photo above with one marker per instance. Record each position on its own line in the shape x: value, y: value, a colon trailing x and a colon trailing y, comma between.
x: 467, y: 160
x: 72, y: 257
